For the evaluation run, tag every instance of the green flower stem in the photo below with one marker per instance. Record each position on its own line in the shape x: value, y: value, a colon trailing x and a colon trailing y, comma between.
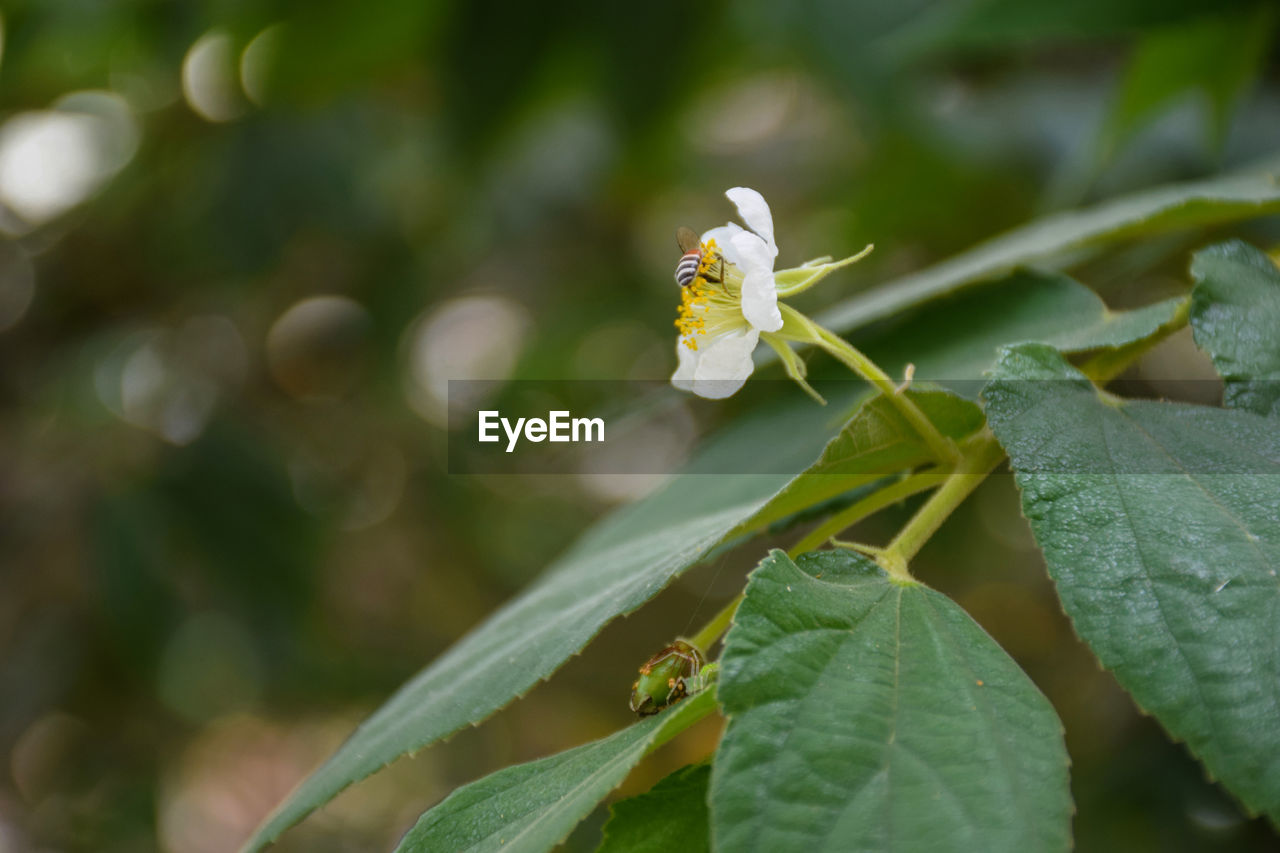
x: 871, y: 504
x: 706, y: 638
x: 944, y: 449
x: 972, y: 462
x: 980, y: 456
x: 797, y: 327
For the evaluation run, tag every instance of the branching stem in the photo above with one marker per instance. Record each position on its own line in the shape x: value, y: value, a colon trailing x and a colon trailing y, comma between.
x: 980, y: 455
x: 797, y: 327
x: 871, y: 504
x: 971, y: 463
x: 943, y: 448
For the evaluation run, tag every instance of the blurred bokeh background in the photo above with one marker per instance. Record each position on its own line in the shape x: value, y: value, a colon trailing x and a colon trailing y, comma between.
x: 243, y: 245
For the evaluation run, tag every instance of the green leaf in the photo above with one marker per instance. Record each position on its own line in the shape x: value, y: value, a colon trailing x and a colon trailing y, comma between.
x: 870, y: 715
x: 1215, y: 56
x: 530, y: 808
x: 1160, y: 524
x: 877, y: 441
x: 626, y: 559
x: 630, y: 556
x: 1222, y: 199
x: 1235, y: 316
x: 1025, y: 306
x: 671, y: 816
x: 617, y: 566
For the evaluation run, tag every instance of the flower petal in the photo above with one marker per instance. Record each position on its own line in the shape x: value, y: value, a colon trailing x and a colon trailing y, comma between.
x: 760, y: 301
x: 725, y: 363
x: 759, y: 289
x: 754, y: 211
x: 724, y: 241
x: 719, y: 367
x: 754, y: 255
x: 687, y: 363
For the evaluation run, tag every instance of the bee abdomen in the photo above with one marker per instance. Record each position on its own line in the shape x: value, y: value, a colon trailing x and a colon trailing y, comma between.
x: 687, y: 269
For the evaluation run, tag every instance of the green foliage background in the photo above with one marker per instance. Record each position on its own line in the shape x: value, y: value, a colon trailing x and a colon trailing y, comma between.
x: 188, y: 626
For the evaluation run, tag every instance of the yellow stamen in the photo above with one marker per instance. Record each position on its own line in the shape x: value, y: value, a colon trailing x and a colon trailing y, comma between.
x: 710, y: 255
x: 692, y: 301
x: 703, y: 297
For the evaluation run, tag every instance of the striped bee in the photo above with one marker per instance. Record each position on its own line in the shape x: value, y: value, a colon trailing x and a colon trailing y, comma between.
x: 692, y: 263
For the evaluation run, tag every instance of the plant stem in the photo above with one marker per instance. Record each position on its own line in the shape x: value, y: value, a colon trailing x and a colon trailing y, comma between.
x: 943, y: 448
x: 681, y: 718
x: 972, y: 463
x: 850, y: 515
x: 707, y: 636
x: 869, y: 505
x: 980, y: 456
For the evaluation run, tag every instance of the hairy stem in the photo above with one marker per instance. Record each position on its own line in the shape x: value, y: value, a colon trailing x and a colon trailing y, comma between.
x: 797, y: 327
x: 869, y: 505
x: 979, y: 457
x: 943, y: 448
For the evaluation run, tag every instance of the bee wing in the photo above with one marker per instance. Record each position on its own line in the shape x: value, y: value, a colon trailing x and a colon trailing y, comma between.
x: 687, y: 239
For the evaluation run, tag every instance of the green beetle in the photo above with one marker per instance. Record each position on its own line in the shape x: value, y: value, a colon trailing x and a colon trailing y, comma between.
x: 669, y: 676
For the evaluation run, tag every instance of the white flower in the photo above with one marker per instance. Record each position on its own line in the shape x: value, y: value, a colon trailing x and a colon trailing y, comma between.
x: 719, y: 369
x: 732, y: 304
x: 721, y: 320
x: 754, y: 254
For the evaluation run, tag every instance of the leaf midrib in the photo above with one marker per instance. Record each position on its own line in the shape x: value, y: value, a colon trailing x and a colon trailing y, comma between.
x: 559, y: 805
x: 1017, y: 795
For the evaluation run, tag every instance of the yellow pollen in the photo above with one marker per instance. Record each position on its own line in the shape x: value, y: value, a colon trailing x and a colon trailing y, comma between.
x: 709, y: 256
x: 692, y: 301
x: 696, y: 300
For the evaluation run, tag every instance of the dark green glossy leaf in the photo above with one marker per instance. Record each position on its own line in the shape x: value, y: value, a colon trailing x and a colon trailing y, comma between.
x: 1235, y: 315
x: 1160, y: 523
x: 532, y: 807
x: 671, y: 816
x: 869, y: 715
